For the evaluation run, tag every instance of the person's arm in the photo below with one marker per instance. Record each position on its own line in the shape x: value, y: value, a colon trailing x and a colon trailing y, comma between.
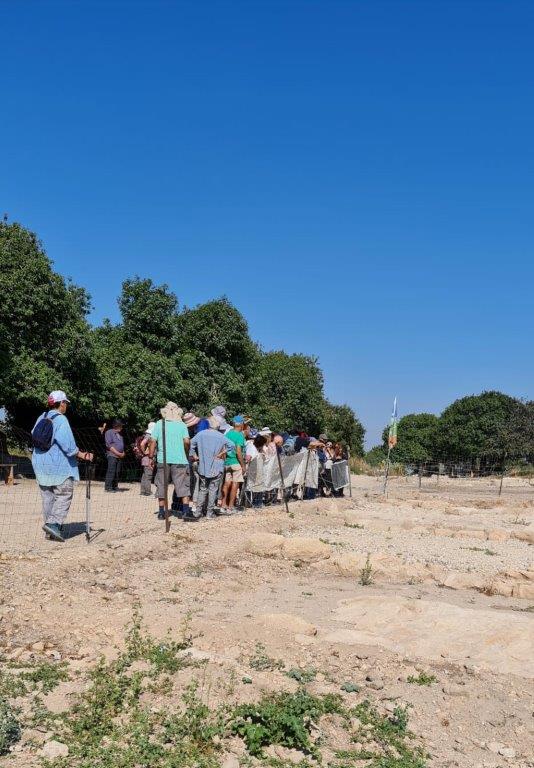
x: 239, y: 454
x: 152, y: 447
x: 193, y: 449
x: 64, y: 438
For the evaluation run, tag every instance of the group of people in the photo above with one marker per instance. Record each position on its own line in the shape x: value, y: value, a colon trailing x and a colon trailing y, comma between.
x: 205, y: 460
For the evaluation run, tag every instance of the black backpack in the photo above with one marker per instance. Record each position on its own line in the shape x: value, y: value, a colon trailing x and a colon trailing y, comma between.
x: 43, y: 433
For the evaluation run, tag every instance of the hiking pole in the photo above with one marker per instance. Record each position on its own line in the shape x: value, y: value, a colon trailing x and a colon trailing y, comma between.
x: 88, y: 473
x: 282, y: 480
x: 165, y: 478
x: 305, y: 475
x: 350, y: 477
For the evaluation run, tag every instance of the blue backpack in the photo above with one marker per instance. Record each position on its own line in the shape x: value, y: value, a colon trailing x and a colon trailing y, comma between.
x: 43, y: 433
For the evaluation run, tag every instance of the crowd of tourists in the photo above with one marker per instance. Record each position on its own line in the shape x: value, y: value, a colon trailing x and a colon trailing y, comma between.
x: 204, y: 460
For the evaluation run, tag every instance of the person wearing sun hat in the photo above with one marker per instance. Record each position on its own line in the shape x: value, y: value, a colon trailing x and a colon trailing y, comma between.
x: 177, y: 464
x: 54, y: 461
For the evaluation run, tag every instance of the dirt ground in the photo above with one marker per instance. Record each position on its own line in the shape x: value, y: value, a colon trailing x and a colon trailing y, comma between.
x: 367, y: 591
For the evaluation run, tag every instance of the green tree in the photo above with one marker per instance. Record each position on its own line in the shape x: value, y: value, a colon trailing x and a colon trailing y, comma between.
x: 46, y: 340
x: 416, y: 438
x: 476, y: 425
x: 286, y: 392
x: 376, y: 456
x: 341, y: 423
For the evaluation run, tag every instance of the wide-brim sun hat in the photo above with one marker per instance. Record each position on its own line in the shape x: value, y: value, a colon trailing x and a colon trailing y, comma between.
x: 172, y: 412
x: 191, y: 419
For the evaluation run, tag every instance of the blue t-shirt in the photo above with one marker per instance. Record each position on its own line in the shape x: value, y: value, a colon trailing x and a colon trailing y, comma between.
x: 175, y: 433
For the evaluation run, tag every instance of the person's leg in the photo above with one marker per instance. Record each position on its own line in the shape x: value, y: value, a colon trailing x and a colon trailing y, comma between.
x: 203, y: 486
x: 62, y: 500
x: 160, y: 486
x: 227, y: 486
x: 180, y: 478
x: 146, y: 476
x: 110, y: 473
x: 117, y: 473
x: 213, y: 488
x: 47, y: 496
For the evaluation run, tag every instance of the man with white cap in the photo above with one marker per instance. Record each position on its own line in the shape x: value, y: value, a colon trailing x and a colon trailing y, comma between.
x: 54, y: 461
x: 176, y: 449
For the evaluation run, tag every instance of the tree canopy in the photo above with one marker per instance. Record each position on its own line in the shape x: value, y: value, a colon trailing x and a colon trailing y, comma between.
x: 199, y: 357
x: 416, y: 437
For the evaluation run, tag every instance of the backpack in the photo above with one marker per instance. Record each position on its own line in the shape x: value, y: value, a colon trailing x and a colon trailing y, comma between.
x: 138, y: 450
x: 43, y: 433
x: 289, y: 445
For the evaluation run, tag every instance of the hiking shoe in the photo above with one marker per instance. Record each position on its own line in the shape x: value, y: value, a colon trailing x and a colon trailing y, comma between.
x: 190, y: 518
x: 52, y: 529
x: 161, y: 515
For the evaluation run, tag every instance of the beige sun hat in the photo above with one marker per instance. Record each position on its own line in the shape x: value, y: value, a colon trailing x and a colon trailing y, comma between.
x: 172, y: 412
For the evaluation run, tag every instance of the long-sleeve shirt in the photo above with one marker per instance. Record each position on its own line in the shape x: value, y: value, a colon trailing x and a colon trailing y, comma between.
x: 207, y: 444
x: 54, y: 466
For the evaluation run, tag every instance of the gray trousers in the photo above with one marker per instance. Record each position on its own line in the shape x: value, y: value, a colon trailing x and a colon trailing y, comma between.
x: 56, y: 501
x: 208, y: 488
x: 146, y: 480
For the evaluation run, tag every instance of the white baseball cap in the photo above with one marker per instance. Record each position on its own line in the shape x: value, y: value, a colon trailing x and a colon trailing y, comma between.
x: 57, y: 396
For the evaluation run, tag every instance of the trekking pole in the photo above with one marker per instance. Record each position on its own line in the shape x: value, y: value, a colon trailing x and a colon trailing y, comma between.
x: 282, y: 480
x: 165, y: 478
x: 350, y: 477
x: 305, y: 475
x: 88, y: 473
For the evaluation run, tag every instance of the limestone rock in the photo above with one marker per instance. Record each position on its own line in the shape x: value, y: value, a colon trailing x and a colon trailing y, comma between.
x: 526, y: 535
x: 497, y: 534
x: 308, y: 550
x: 265, y: 544
x: 525, y: 591
x: 54, y: 749
x: 287, y: 622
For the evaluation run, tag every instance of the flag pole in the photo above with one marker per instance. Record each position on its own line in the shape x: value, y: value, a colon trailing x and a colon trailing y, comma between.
x: 387, y: 472
x: 392, y: 442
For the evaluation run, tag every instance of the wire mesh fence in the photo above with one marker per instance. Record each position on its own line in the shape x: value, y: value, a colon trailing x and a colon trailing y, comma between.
x: 94, y: 513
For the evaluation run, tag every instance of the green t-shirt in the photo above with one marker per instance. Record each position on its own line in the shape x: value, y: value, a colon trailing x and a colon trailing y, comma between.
x: 175, y: 431
x: 238, y: 438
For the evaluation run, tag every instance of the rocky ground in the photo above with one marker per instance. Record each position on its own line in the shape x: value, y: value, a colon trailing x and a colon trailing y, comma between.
x: 420, y: 603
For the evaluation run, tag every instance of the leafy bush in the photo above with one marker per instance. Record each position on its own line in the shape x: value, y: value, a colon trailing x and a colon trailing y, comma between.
x: 10, y: 730
x: 284, y: 719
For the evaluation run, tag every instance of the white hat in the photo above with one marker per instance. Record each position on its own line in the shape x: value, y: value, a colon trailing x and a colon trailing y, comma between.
x: 57, y: 396
x: 172, y: 412
x: 150, y: 428
x: 265, y: 431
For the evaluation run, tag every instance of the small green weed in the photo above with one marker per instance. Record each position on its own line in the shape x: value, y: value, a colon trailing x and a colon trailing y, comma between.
x: 366, y: 573
x: 391, y: 734
x: 302, y: 675
x: 354, y: 525
x: 485, y: 550
x: 422, y: 679
x: 47, y: 675
x: 261, y: 661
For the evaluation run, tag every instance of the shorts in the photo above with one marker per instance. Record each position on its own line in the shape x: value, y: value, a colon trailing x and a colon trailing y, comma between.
x: 178, y: 476
x: 234, y: 473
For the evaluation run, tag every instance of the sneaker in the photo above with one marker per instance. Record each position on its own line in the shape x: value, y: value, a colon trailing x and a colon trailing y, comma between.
x: 145, y: 494
x: 53, y: 531
x: 217, y: 511
x: 190, y: 518
x: 161, y: 515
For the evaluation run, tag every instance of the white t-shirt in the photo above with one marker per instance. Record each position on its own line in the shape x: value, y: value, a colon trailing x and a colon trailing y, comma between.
x: 251, y: 451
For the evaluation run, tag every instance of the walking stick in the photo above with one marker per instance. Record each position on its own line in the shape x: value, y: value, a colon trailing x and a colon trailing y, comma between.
x: 282, y: 480
x: 165, y: 479
x: 350, y: 478
x: 88, y: 473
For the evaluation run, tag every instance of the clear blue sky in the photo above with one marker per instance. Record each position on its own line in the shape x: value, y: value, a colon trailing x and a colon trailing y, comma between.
x: 357, y: 177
